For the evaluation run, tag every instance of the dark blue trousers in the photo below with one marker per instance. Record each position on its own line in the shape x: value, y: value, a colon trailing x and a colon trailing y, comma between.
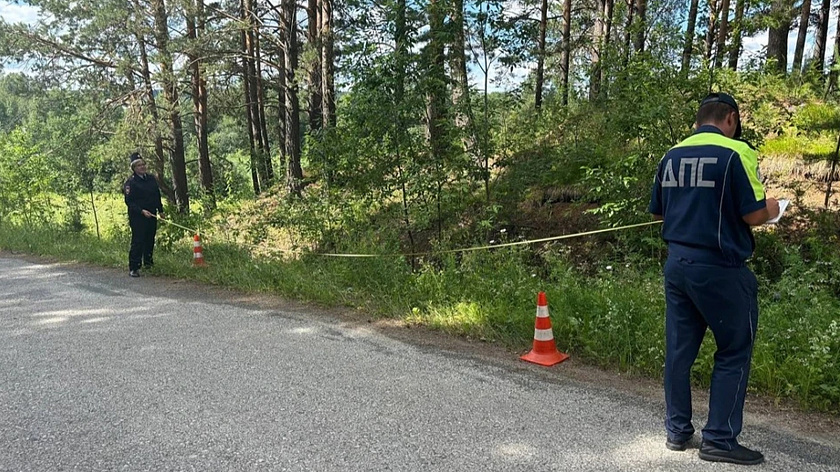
x: 725, y: 300
x: 143, y: 232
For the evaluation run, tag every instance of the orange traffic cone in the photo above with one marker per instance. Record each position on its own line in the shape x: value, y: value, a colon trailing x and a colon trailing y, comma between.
x: 545, y: 351
x: 198, y: 257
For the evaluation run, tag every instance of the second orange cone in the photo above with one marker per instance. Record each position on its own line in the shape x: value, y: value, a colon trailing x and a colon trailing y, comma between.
x: 544, y: 351
x: 198, y: 257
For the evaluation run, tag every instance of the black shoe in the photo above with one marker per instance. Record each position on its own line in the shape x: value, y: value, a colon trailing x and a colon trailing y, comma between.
x: 134, y: 273
x: 675, y: 445
x: 740, y: 455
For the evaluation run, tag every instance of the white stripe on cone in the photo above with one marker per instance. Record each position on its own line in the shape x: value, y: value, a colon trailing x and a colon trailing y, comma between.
x: 543, y: 335
x: 196, y: 244
x: 542, y: 312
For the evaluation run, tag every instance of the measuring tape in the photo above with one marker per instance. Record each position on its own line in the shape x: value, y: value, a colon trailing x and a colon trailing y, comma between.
x: 450, y: 251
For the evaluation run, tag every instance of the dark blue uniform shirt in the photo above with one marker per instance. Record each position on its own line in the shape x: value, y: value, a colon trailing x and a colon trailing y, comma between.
x: 142, y: 193
x: 703, y: 187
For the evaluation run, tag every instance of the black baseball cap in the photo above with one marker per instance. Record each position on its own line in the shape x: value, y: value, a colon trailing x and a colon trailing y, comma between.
x: 721, y: 97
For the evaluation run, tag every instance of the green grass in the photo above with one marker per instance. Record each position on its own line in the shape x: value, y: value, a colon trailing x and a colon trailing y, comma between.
x: 793, y: 146
x: 612, y: 316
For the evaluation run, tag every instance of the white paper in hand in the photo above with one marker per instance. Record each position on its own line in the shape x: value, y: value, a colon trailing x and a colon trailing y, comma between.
x: 783, y: 204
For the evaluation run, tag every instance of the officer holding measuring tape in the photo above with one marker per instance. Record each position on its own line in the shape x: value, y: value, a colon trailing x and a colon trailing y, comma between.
x: 142, y: 197
x: 708, y: 193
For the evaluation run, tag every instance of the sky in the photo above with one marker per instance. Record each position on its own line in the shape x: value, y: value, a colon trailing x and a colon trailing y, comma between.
x: 12, y: 13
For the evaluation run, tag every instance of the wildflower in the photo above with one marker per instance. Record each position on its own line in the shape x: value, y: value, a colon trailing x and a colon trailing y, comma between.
x: 609, y: 267
x: 503, y: 231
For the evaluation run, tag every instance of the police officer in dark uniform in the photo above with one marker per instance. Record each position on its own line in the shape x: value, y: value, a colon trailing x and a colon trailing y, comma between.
x: 708, y: 193
x: 142, y: 197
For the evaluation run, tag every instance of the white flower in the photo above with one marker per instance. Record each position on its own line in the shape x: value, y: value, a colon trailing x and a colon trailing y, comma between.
x: 609, y: 267
x: 503, y: 230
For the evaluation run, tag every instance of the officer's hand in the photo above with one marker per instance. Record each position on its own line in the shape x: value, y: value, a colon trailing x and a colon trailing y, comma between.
x: 147, y: 213
x: 772, y: 208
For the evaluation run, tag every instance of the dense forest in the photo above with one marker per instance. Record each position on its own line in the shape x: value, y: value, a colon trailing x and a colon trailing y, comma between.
x: 285, y: 130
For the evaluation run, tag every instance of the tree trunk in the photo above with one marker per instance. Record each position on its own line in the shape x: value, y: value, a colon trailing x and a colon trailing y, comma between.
x: 711, y: 31
x: 821, y: 40
x: 435, y: 90
x: 461, y: 86
x: 605, y: 48
x: 159, y: 161
x: 195, y: 27
x: 688, y: 49
x: 250, y: 96
x: 641, y: 25
x: 737, y: 28
x: 401, y: 58
x: 313, y: 11
x: 834, y: 158
x: 253, y: 70
x: 281, y: 119
x: 777, y: 47
x: 170, y: 92
x: 597, y: 45
x: 294, y: 173
x: 628, y: 30
x: 538, y: 87
x: 327, y: 64
x: 777, y: 37
x: 832, y: 76
x: 804, y: 17
x: 435, y: 80
x: 723, y: 32
x: 567, y: 50
x: 265, y: 164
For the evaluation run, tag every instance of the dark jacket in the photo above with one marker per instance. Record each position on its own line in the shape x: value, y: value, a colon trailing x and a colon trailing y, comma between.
x: 703, y: 188
x: 142, y: 193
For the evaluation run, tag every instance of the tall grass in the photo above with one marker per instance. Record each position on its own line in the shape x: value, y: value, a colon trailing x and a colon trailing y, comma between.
x: 612, y: 316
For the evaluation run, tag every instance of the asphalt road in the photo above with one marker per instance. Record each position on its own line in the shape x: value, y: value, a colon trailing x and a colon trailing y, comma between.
x: 102, y: 372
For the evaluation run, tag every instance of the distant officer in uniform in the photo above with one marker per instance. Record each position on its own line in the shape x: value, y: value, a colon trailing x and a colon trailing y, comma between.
x: 708, y: 192
x: 142, y: 197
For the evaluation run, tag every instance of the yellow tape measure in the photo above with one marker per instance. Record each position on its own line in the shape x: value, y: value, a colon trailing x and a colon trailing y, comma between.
x: 450, y: 251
